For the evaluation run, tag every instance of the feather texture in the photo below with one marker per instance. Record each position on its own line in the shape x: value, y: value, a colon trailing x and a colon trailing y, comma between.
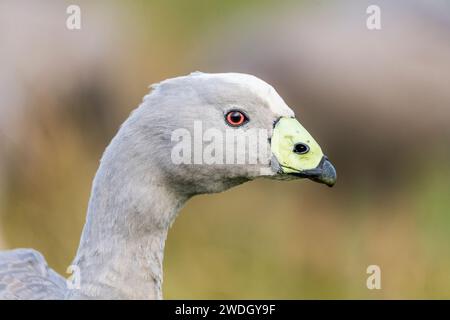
x: 24, y: 274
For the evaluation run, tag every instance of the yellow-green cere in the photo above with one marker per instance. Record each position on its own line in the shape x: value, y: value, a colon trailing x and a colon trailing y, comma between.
x: 287, y: 133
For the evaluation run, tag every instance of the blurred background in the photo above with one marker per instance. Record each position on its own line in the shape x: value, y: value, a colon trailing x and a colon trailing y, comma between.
x: 378, y: 102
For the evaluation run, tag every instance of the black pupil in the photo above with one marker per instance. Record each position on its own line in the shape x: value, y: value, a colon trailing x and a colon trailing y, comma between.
x: 301, y: 148
x: 236, y: 117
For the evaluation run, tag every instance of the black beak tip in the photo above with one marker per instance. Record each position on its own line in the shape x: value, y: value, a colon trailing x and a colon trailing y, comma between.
x: 324, y: 173
x: 328, y: 175
x: 331, y: 184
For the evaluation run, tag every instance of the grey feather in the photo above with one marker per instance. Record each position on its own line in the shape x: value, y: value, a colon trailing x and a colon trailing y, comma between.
x: 24, y: 274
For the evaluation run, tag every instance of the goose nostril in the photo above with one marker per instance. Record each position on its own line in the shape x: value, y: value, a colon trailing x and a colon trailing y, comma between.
x: 300, y: 148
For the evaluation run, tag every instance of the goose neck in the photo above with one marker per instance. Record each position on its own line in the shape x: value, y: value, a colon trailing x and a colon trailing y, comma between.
x: 122, y: 245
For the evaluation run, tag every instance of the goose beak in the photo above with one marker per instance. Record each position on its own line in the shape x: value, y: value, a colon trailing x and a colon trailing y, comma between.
x: 324, y: 173
x: 298, y: 154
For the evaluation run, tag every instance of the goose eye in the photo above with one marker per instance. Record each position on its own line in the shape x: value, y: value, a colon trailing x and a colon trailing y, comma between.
x: 235, y: 118
x: 301, y: 148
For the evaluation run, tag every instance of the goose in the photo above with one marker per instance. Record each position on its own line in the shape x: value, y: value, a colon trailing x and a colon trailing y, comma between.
x: 145, y: 177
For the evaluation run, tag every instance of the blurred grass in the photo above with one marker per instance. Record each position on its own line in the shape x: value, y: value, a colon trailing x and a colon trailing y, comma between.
x: 297, y: 242
x: 264, y: 239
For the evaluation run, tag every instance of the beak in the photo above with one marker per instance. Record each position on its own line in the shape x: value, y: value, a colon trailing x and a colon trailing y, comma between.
x: 306, y: 162
x: 323, y: 173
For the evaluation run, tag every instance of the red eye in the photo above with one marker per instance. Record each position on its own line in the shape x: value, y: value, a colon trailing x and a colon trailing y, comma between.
x: 236, y: 118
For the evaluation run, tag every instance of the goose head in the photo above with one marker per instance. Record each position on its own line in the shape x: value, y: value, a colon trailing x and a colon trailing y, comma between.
x: 195, y: 134
x: 205, y: 133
